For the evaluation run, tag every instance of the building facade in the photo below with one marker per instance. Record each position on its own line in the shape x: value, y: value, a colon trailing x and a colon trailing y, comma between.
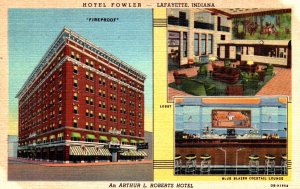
x: 81, y: 103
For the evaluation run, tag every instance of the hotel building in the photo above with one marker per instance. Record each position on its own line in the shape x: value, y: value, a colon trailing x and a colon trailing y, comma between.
x: 81, y: 103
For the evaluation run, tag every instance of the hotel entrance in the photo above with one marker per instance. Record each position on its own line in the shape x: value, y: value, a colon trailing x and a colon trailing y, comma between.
x: 173, y: 50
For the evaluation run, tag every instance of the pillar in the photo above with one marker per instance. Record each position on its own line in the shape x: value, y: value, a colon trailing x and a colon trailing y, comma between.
x: 190, y: 42
x: 66, y: 154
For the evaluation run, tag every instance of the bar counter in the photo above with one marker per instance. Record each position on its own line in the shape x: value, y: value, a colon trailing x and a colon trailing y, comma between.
x: 237, y: 150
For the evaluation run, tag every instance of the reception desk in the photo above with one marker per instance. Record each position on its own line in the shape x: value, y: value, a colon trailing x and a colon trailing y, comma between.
x: 244, y: 147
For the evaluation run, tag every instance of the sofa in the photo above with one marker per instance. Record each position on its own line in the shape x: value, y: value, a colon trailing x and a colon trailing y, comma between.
x: 178, y: 77
x: 198, y: 88
x: 269, y: 70
x: 226, y: 74
x: 235, y: 90
x: 250, y: 80
x: 248, y: 68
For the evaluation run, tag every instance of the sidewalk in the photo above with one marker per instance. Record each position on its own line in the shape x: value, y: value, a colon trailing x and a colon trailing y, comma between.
x: 58, y: 164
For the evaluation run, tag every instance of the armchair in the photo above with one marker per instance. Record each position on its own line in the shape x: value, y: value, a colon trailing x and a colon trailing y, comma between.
x: 178, y: 77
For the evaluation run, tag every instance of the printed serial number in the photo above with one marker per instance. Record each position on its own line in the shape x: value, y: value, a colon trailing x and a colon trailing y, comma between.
x: 279, y: 185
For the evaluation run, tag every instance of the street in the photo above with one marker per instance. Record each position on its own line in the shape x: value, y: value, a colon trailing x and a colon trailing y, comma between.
x: 22, y: 171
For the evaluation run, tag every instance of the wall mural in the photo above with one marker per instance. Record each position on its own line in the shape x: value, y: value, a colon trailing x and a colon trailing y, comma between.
x: 269, y: 27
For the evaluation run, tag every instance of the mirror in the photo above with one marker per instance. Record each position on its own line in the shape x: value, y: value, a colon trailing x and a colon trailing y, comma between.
x: 231, y: 118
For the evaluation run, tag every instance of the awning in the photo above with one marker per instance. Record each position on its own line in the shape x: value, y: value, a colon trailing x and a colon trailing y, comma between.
x: 91, y: 151
x: 124, y: 140
x: 90, y: 136
x: 75, y: 135
x: 141, y: 141
x: 103, y: 152
x: 76, y: 151
x: 133, y: 141
x: 104, y: 138
x: 114, y: 139
x: 134, y: 153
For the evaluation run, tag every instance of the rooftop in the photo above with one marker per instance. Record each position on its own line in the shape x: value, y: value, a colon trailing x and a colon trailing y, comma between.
x: 67, y: 33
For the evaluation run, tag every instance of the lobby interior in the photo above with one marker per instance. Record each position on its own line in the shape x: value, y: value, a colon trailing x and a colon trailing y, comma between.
x: 229, y: 52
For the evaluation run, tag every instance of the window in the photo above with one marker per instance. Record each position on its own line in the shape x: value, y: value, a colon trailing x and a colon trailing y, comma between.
x: 92, y: 126
x: 91, y: 89
x: 75, y: 110
x: 92, y: 64
x: 87, y: 113
x: 60, y: 71
x: 223, y: 37
x: 60, y: 84
x: 184, y: 44
x: 92, y: 76
x: 91, y: 101
x: 72, y: 54
x: 59, y: 123
x: 87, y: 88
x: 60, y: 110
x: 75, y: 123
x: 87, y: 62
x: 77, y: 57
x: 75, y: 83
x: 60, y: 137
x: 87, y: 75
x: 196, y: 44
x: 75, y: 69
x: 91, y: 114
x: 75, y: 96
x: 210, y: 44
x: 86, y: 125
x: 75, y: 138
x: 203, y: 44
x: 87, y: 100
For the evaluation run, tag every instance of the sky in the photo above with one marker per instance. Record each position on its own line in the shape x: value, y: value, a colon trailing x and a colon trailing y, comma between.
x: 32, y: 31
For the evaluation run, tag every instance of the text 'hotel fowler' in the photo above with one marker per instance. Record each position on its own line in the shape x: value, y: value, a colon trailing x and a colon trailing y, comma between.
x: 81, y: 103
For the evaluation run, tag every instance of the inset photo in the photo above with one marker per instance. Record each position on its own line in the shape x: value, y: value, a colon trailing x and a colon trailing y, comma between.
x: 231, y: 136
x: 80, y: 94
x: 229, y: 52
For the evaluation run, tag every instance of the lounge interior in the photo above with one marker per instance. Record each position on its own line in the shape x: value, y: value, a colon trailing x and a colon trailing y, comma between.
x: 229, y: 52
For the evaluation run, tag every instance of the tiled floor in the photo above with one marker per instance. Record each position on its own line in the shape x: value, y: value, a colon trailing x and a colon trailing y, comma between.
x: 280, y: 84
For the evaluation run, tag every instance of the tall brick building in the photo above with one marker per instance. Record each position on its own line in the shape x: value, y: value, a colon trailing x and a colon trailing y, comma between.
x: 81, y: 103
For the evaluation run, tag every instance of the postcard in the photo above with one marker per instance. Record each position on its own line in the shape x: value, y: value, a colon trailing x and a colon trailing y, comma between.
x: 161, y: 94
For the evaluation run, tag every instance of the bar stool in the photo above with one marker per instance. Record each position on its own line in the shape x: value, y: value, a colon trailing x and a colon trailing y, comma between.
x: 283, y: 163
x: 253, y: 164
x: 205, y: 163
x: 190, y: 165
x: 269, y: 164
x: 178, y: 164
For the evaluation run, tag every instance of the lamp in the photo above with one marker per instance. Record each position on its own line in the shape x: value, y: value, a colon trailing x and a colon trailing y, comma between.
x: 212, y: 58
x: 250, y: 62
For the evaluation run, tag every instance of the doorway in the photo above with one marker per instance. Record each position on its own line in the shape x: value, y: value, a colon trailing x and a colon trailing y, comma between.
x: 173, y: 50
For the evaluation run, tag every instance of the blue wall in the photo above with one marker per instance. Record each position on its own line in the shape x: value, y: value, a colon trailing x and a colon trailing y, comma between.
x: 269, y: 116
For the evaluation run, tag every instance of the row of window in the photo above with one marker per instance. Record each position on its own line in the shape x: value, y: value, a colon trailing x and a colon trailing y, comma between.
x: 206, y: 43
x: 90, y: 76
